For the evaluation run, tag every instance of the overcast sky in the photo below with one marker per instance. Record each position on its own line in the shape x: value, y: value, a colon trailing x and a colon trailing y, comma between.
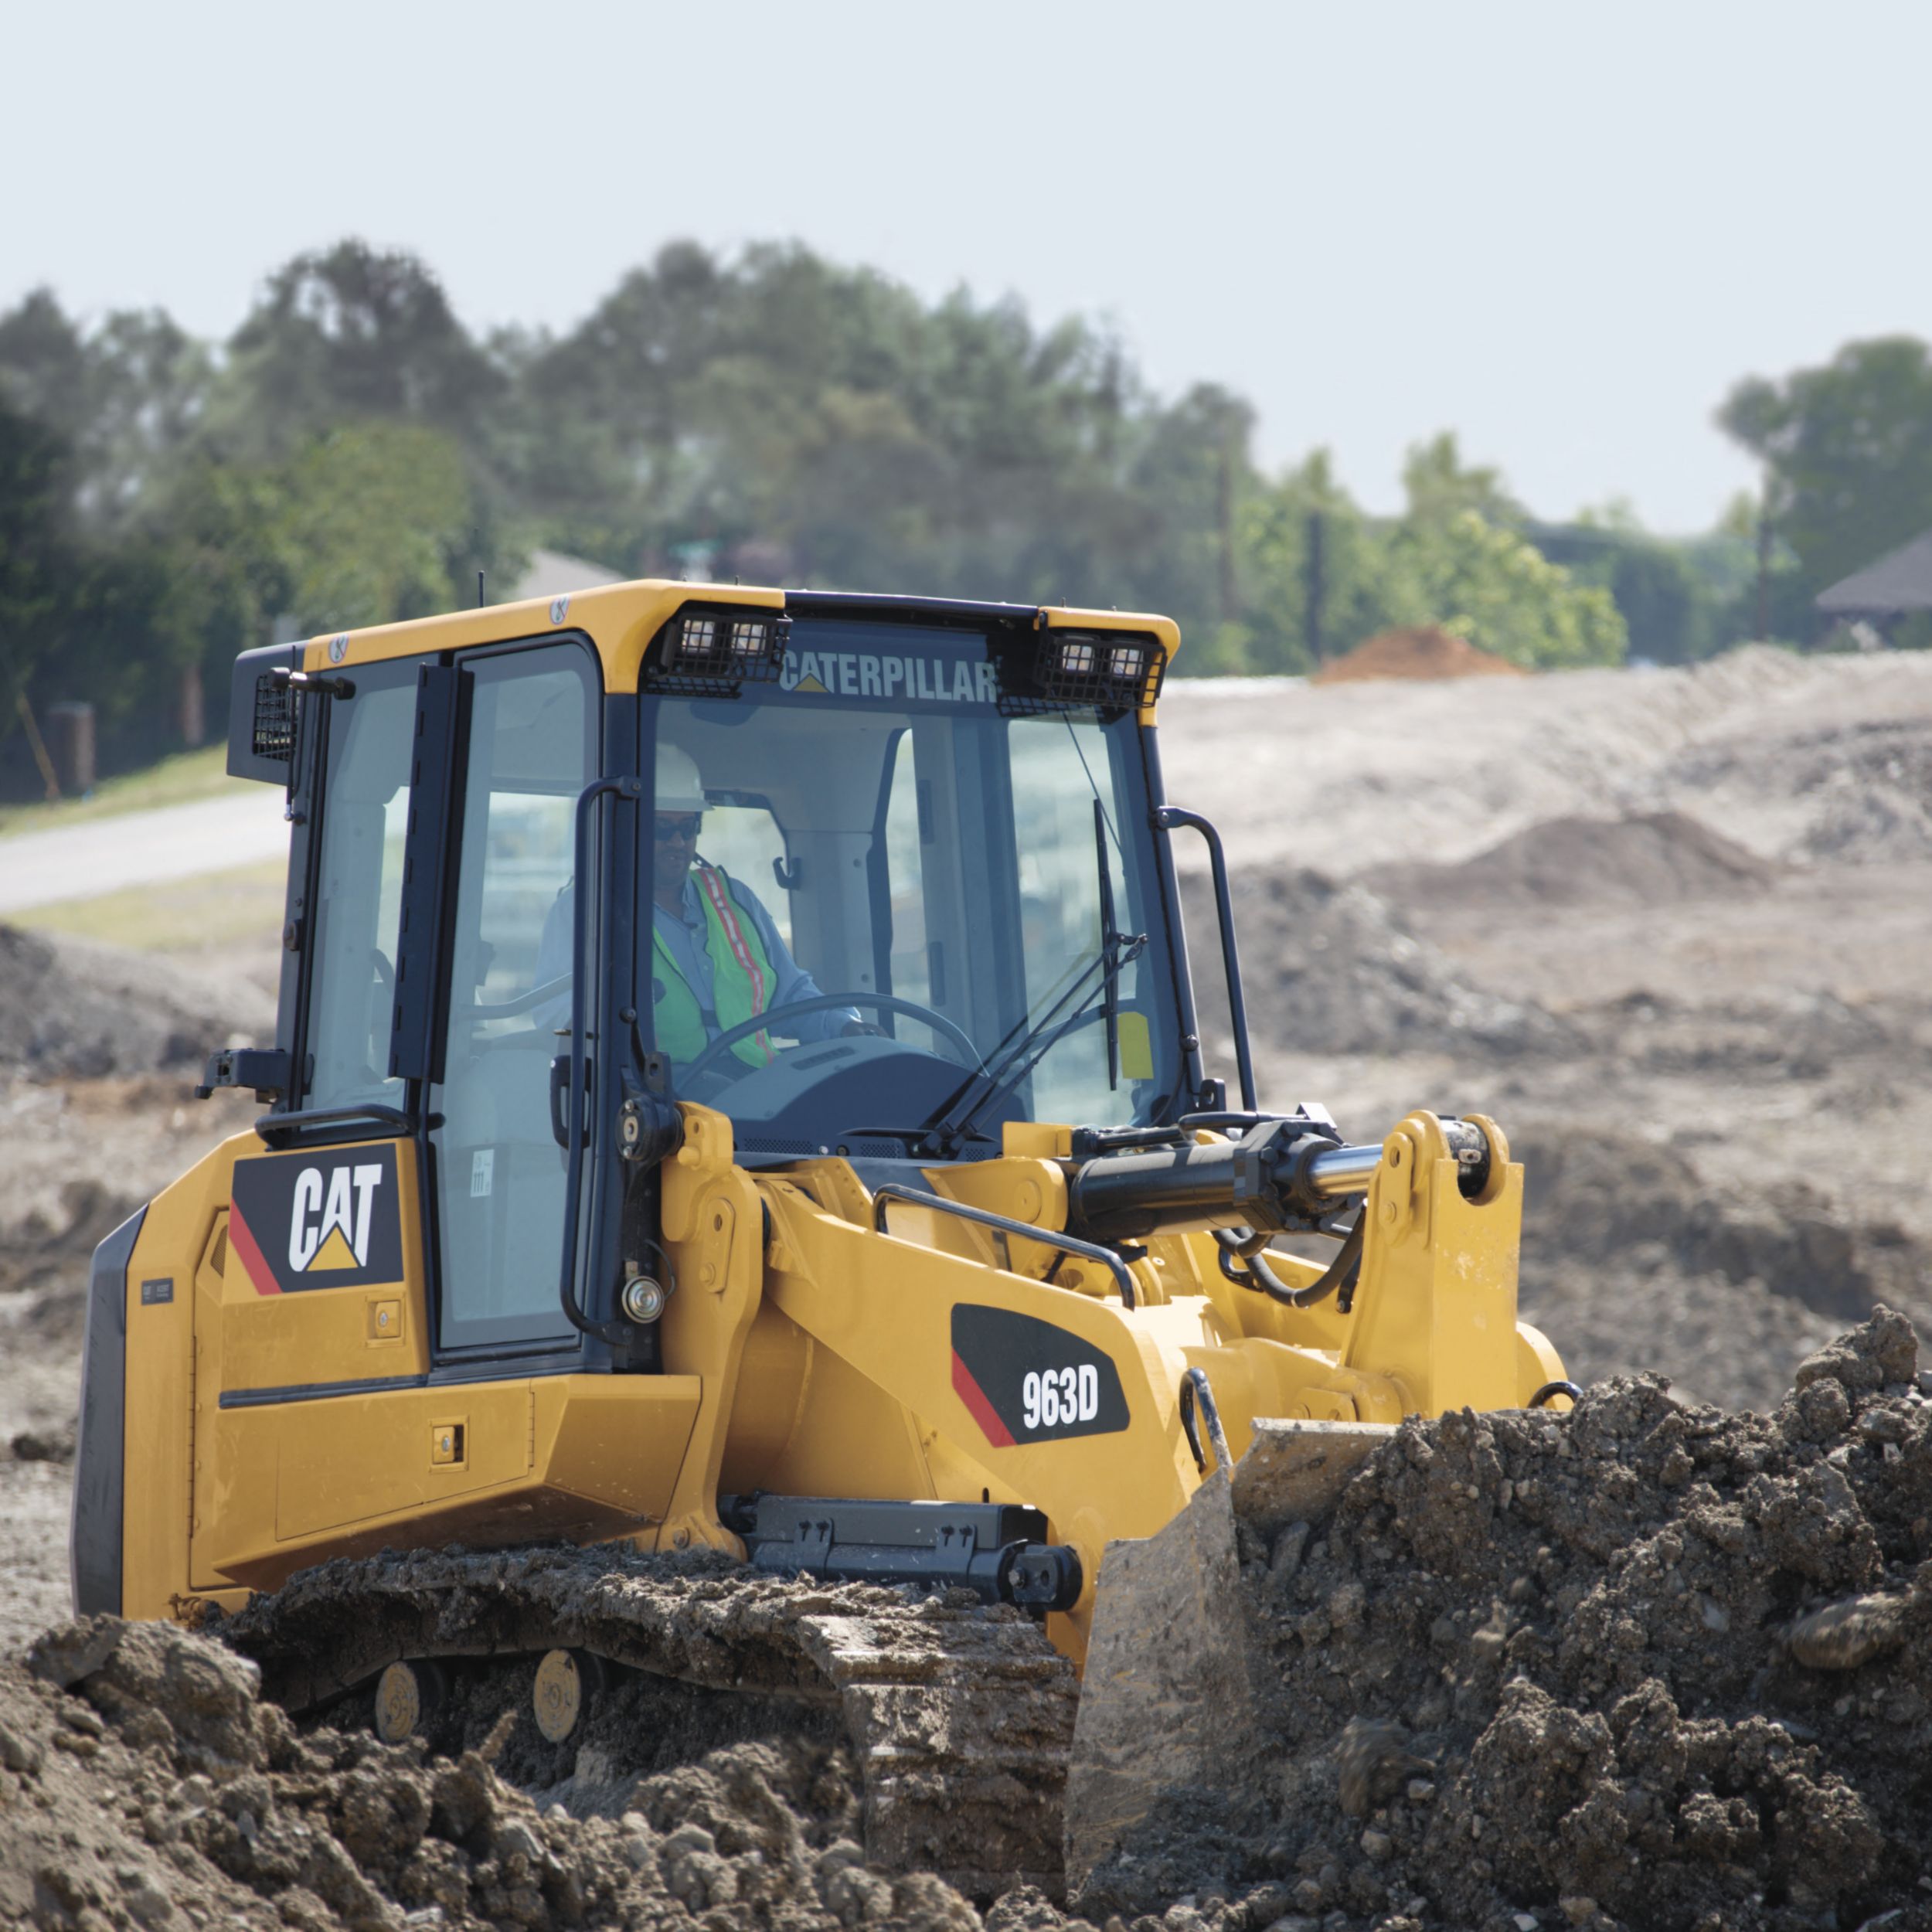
x: 1562, y: 230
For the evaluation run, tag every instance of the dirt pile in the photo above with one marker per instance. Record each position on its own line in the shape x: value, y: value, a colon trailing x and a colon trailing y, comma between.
x: 71, y: 1011
x: 1641, y: 1665
x: 1645, y: 859
x: 1328, y: 969
x: 1855, y: 791
x: 1426, y: 651
x: 142, y: 1783
x: 1632, y: 1260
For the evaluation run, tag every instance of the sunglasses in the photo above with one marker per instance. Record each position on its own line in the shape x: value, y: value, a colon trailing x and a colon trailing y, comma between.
x: 683, y: 825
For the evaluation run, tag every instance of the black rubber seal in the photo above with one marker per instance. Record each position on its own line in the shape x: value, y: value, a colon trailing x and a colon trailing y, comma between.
x: 100, y: 1463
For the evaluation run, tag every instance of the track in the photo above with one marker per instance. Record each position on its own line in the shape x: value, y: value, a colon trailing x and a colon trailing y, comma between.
x: 961, y: 1716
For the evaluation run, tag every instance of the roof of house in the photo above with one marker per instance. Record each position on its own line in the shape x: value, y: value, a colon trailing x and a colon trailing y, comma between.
x: 1900, y: 581
x: 554, y: 573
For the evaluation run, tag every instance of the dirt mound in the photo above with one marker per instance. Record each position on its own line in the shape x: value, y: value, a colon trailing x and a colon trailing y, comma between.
x: 1848, y: 790
x: 1641, y: 860
x: 1593, y: 1196
x: 1640, y: 1665
x: 144, y: 1783
x: 1426, y: 651
x: 1328, y: 969
x: 71, y: 1011
x: 1633, y: 1261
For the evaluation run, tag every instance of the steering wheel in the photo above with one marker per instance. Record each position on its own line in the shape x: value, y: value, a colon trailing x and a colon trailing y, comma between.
x: 889, y: 1002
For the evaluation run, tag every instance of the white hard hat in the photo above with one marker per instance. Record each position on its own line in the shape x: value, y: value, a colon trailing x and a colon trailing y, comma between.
x: 679, y: 787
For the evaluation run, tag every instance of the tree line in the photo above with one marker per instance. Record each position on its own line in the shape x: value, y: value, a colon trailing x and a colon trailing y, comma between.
x: 353, y: 454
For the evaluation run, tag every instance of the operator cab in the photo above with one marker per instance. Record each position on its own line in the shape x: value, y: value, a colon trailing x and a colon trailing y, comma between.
x: 923, y: 835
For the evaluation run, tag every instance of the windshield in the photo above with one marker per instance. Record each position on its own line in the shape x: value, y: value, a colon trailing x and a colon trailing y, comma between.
x: 880, y: 905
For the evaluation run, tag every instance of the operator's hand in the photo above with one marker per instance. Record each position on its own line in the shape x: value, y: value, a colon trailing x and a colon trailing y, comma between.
x: 856, y: 1026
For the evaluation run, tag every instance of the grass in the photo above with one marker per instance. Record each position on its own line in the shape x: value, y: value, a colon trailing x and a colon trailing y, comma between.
x: 241, y: 907
x: 188, y: 775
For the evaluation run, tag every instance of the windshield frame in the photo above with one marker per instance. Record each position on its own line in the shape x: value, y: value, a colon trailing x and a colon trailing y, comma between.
x: 1132, y: 792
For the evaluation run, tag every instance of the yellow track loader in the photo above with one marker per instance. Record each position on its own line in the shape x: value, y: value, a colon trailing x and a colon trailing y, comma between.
x: 743, y: 1203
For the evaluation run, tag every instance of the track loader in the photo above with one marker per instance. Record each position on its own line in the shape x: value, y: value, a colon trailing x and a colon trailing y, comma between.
x: 742, y: 1206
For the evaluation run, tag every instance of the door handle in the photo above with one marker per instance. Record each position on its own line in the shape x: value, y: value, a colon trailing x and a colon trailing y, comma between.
x: 560, y: 1098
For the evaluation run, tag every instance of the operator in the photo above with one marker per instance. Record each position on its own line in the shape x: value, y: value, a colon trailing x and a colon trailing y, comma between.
x: 716, y: 957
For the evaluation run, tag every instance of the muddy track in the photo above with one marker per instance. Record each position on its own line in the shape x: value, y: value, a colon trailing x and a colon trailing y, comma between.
x: 961, y: 1715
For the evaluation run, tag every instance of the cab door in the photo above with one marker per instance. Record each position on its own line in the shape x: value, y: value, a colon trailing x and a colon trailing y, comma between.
x: 367, y: 1333
x: 528, y: 746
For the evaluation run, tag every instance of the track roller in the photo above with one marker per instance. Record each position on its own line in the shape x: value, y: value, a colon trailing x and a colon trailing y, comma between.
x: 406, y: 1694
x: 567, y: 1683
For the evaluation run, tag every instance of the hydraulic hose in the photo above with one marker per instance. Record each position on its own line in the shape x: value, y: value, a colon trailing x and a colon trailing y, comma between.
x: 1240, y: 1246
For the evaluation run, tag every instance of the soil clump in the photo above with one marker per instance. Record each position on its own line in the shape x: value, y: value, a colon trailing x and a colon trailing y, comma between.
x: 1420, y: 651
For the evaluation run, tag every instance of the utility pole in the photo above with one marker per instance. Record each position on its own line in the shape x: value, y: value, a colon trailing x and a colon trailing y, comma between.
x: 1224, y: 512
x: 1765, y: 563
x: 1314, y: 586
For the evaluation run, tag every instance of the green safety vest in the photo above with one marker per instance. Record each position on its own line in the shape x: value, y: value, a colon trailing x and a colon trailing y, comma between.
x: 742, y: 983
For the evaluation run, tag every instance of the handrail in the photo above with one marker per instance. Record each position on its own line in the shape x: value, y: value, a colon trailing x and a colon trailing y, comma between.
x: 586, y: 898
x: 1061, y: 1244
x: 373, y: 1112
x: 1167, y: 817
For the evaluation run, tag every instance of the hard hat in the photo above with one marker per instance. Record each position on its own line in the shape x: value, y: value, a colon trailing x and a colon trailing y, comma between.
x: 679, y: 787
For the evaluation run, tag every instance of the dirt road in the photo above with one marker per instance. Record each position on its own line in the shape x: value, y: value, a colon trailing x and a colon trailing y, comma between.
x: 177, y: 841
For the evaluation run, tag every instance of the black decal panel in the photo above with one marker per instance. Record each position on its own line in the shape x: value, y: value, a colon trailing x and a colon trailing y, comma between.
x: 326, y: 1220
x: 1025, y: 1380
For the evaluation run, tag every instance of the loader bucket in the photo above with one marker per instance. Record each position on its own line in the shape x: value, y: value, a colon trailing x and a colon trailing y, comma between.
x: 1168, y: 1743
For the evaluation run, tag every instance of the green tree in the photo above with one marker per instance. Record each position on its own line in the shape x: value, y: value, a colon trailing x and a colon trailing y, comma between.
x: 346, y: 335
x: 1674, y: 606
x: 1312, y: 556
x: 36, y: 568
x: 1847, y: 451
x: 372, y: 524
x: 1439, y: 486
x: 1458, y: 559
x: 1498, y: 591
x: 126, y: 397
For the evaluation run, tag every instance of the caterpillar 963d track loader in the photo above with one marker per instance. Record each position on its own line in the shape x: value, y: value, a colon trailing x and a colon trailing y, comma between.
x: 738, y: 1126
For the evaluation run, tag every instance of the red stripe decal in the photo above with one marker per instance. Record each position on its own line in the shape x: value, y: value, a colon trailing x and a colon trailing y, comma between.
x: 970, y: 1393
x: 242, y: 1242
x: 735, y: 939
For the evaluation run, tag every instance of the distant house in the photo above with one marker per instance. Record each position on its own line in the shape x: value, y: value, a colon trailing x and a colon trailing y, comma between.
x: 1898, y: 585
x: 556, y: 573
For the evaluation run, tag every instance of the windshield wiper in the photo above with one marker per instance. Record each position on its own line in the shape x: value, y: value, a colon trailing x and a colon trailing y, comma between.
x: 1110, y: 941
x: 1117, y: 950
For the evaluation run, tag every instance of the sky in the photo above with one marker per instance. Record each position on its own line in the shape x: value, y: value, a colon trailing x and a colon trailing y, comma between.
x: 1562, y: 231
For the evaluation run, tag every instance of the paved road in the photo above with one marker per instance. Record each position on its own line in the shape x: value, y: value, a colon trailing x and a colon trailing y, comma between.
x: 142, y: 848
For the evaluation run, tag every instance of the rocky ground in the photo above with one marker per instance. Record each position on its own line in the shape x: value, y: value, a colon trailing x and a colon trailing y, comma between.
x: 1672, y: 930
